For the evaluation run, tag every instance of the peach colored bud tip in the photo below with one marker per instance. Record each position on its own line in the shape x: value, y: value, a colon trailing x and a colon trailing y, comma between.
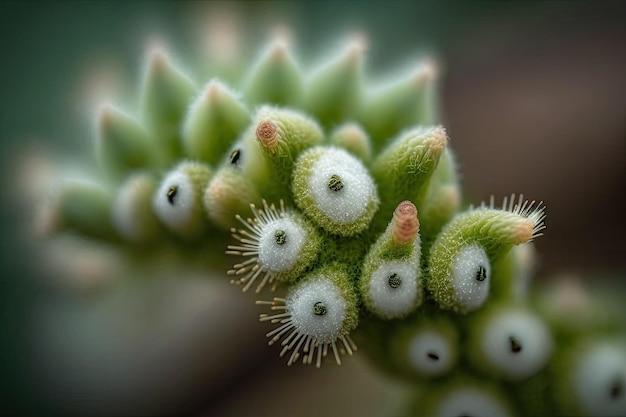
x: 267, y: 134
x: 523, y: 231
x: 405, y: 223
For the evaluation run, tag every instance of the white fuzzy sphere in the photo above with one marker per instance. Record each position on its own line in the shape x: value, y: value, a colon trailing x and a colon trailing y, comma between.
x: 394, y: 302
x: 529, y: 331
x: 425, y: 344
x: 468, y: 291
x: 276, y: 257
x: 470, y: 402
x: 300, y: 302
x: 177, y: 213
x: 601, y: 366
x: 349, y: 203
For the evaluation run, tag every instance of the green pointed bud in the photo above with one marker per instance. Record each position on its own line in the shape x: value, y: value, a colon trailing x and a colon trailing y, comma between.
x: 280, y: 245
x: 215, y: 119
x: 425, y: 348
x: 229, y: 193
x: 354, y: 139
x: 178, y: 201
x: 442, y: 199
x: 509, y: 341
x: 404, y: 168
x: 276, y: 78
x: 283, y: 135
x: 133, y: 217
x: 590, y: 377
x: 166, y: 95
x: 122, y: 144
x: 316, y: 316
x: 334, y: 91
x: 391, y: 279
x: 463, y: 396
x: 461, y: 257
x: 84, y: 209
x: 402, y: 104
x: 335, y: 190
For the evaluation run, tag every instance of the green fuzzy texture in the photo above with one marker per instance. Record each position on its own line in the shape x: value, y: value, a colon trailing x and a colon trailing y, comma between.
x: 213, y: 122
x: 306, y: 201
x: 122, y: 144
x: 353, y: 138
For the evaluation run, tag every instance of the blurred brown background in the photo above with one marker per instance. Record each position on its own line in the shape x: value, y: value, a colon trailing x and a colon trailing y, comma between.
x: 534, y: 100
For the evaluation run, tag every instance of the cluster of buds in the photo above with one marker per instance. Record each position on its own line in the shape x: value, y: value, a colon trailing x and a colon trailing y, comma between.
x: 345, y: 201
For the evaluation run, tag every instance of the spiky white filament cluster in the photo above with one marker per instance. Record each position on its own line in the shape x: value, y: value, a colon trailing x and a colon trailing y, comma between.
x: 350, y: 202
x: 517, y: 343
x: 430, y: 353
x: 470, y: 288
x: 392, y: 302
x: 304, y: 327
x: 532, y: 210
x: 600, y: 380
x: 470, y: 401
x: 175, y: 200
x: 269, y: 253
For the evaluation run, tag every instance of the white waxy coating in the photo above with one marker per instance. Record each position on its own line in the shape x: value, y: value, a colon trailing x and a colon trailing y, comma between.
x: 300, y: 304
x: 470, y: 292
x: 600, y: 379
x: 280, y: 257
x: 391, y: 302
x: 430, y: 353
x: 471, y: 402
x: 177, y: 213
x: 349, y: 203
x: 517, y: 343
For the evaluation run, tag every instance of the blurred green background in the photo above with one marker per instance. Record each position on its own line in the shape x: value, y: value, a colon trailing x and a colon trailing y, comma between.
x: 533, y: 98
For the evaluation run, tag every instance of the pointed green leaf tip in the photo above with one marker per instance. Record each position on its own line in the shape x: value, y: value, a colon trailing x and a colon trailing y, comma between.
x: 216, y: 118
x: 166, y: 95
x: 122, y: 144
x: 276, y: 78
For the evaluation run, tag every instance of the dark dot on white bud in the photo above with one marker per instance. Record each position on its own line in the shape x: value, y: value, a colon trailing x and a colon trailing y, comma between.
x: 617, y: 388
x: 394, y: 280
x: 319, y: 309
x: 171, y: 194
x: 481, y: 273
x: 234, y: 156
x: 280, y: 237
x: 516, y: 346
x: 335, y: 183
x: 432, y: 356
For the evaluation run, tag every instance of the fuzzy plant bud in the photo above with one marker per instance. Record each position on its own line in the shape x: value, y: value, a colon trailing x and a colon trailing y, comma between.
x: 133, y: 217
x: 165, y: 97
x: 213, y: 122
x: 425, y: 348
x: 178, y: 200
x: 282, y: 136
x: 335, y: 190
x: 461, y: 257
x: 463, y: 396
x: 83, y: 208
x: 391, y: 281
x: 334, y: 90
x: 590, y: 378
x: 353, y: 138
x: 509, y: 342
x: 397, y: 105
x: 279, y: 244
x: 275, y: 78
x: 122, y: 143
x: 317, y: 315
x: 403, y: 169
